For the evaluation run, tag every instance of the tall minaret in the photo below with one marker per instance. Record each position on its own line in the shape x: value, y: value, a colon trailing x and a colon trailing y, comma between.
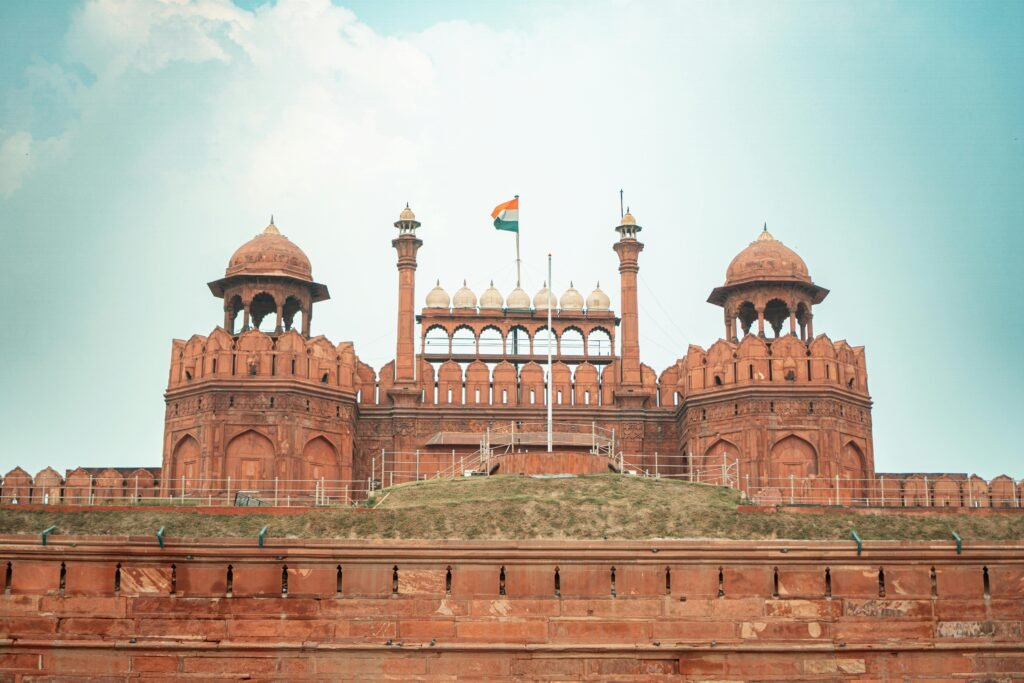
x: 628, y: 249
x: 406, y: 244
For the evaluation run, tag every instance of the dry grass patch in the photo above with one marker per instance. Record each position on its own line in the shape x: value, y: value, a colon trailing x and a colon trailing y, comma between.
x: 517, y: 507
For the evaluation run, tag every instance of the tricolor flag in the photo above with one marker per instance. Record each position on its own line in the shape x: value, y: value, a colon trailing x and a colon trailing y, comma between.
x: 506, y: 216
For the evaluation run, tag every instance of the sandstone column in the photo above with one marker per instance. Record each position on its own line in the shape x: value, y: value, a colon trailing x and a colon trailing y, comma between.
x: 628, y: 249
x: 406, y: 244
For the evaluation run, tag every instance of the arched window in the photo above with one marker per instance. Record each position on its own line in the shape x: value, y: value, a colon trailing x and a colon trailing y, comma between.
x: 599, y: 343
x: 541, y: 339
x: 518, y: 343
x: 572, y: 342
x: 490, y: 342
x: 235, y: 306
x: 464, y: 341
x: 747, y: 315
x: 436, y: 340
x: 291, y: 314
x: 263, y: 312
x: 776, y: 313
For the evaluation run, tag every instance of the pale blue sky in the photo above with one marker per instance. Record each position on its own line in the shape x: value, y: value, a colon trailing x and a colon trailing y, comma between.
x: 141, y: 143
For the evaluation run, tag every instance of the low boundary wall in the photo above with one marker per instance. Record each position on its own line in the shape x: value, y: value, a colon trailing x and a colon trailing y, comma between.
x: 125, y: 608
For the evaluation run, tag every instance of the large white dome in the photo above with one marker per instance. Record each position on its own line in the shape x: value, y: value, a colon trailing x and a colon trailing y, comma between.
x: 545, y: 299
x: 491, y: 298
x: 464, y: 298
x: 518, y: 300
x: 571, y: 300
x: 438, y: 298
x: 598, y: 300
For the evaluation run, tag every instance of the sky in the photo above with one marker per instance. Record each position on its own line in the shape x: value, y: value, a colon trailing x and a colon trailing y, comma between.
x: 142, y: 142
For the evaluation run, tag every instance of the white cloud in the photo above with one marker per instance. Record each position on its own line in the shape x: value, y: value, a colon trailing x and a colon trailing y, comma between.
x: 15, y: 161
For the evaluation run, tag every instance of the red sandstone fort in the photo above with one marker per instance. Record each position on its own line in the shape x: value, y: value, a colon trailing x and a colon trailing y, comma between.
x: 262, y: 412
x: 262, y: 406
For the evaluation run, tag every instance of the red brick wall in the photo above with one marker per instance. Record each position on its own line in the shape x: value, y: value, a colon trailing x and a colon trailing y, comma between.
x: 736, y: 610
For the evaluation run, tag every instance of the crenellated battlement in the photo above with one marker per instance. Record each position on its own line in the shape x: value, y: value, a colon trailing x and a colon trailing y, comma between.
x: 786, y: 361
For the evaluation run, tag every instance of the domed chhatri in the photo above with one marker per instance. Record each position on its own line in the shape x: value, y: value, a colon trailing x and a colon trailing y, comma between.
x: 407, y: 223
x: 544, y: 299
x: 598, y: 300
x: 518, y: 300
x: 270, y: 253
x: 464, y: 298
x: 571, y: 300
x: 627, y: 228
x: 766, y: 258
x: 438, y: 298
x: 491, y: 299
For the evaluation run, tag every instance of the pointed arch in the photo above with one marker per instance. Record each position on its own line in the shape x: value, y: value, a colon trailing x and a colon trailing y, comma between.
x: 449, y: 383
x: 852, y: 470
x: 585, y: 386
x: 249, y: 460
x: 504, y: 382
x: 561, y: 384
x: 792, y: 455
x: 531, y: 384
x: 715, y: 462
x: 185, y: 458
x: 320, y: 459
x: 478, y: 383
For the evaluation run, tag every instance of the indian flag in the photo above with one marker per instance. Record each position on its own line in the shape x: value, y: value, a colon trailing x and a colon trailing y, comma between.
x: 506, y: 216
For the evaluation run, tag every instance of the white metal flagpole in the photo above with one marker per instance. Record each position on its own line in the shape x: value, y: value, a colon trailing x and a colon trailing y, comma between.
x: 550, y: 335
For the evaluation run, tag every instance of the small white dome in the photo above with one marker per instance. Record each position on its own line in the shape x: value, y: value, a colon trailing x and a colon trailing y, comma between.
x: 572, y: 300
x: 464, y: 298
x: 518, y: 300
x: 598, y: 300
x: 544, y: 299
x: 491, y: 298
x: 438, y: 298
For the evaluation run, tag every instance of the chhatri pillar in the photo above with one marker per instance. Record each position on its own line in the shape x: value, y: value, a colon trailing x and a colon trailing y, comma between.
x: 405, y: 390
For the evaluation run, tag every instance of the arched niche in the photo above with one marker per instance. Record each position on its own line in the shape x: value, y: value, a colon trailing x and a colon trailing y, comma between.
x: 319, y: 460
x: 792, y: 456
x: 852, y: 473
x: 185, y: 457
x: 249, y: 461
x: 718, y: 461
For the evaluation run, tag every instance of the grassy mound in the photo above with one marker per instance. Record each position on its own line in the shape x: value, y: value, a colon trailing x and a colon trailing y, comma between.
x: 516, y: 507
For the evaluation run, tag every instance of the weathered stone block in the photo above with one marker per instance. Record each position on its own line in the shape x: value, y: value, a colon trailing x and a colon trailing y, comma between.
x: 35, y: 577
x: 600, y: 631
x: 258, y: 580
x: 89, y: 578
x: 141, y: 580
x: 502, y: 631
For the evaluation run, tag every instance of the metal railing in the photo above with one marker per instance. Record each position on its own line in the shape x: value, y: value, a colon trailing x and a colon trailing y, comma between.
x: 392, y: 468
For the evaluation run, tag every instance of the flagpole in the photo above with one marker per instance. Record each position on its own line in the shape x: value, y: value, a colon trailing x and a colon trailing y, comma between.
x: 518, y: 283
x: 550, y: 335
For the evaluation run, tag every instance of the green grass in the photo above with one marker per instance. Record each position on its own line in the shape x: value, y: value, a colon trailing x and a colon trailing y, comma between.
x: 516, y: 507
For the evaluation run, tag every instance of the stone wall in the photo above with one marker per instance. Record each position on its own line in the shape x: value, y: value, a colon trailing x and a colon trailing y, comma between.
x: 502, y: 610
